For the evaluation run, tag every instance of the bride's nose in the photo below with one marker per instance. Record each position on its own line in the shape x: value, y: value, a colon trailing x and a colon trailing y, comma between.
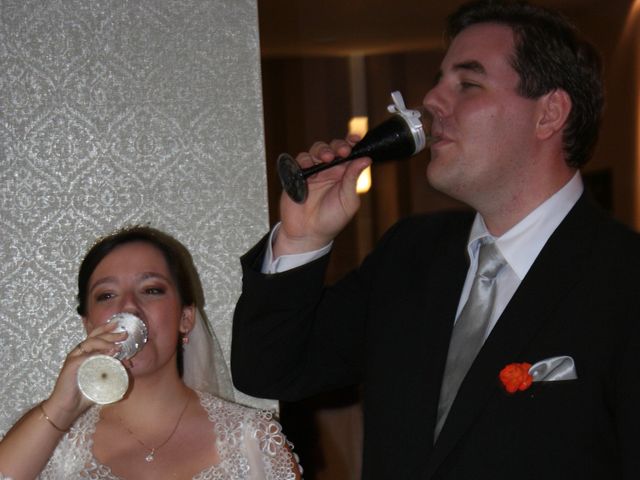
x: 129, y: 303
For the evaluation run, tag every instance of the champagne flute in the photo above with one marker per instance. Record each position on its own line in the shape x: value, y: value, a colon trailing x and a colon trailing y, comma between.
x: 400, y: 136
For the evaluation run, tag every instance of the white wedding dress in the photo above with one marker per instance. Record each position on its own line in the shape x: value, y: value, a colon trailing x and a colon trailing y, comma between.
x: 250, y: 445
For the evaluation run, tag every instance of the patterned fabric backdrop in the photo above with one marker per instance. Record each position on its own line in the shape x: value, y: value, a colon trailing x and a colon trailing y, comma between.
x: 114, y: 112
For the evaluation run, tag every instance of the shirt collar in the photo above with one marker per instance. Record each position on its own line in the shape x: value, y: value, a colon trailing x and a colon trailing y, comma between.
x: 521, y: 244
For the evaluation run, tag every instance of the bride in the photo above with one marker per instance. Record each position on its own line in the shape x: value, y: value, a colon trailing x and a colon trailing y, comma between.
x: 169, y: 425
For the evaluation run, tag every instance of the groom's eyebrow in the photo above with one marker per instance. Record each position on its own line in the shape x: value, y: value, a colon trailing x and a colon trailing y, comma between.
x: 469, y: 65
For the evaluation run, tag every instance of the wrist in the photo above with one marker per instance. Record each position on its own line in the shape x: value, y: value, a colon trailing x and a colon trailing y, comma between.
x: 59, y: 417
x: 55, y: 421
x: 283, y: 244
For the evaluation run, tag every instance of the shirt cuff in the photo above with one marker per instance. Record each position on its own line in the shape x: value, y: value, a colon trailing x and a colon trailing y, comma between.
x: 288, y: 262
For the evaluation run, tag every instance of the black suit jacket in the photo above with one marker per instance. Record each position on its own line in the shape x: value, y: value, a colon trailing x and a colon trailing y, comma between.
x: 387, y: 325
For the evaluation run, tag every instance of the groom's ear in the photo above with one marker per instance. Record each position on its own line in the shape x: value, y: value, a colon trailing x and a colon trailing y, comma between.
x: 554, y: 109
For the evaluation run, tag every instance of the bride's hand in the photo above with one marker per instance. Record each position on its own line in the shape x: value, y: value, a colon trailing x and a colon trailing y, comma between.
x: 66, y: 402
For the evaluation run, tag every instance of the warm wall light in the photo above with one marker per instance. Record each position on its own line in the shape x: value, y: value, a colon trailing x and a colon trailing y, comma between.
x: 364, y: 181
x: 359, y: 126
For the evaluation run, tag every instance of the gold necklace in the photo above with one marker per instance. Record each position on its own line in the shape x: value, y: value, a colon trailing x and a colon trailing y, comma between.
x: 152, y: 451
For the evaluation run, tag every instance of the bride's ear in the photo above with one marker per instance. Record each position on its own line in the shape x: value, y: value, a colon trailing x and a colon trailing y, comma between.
x: 187, y: 319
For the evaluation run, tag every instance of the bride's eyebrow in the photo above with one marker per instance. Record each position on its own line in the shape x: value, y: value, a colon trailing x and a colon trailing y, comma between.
x: 102, y: 281
x: 152, y: 275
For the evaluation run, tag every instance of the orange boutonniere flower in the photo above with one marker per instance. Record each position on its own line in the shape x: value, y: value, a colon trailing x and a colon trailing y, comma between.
x: 515, y: 376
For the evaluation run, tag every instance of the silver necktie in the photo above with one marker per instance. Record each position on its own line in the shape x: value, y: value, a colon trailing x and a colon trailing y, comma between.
x: 470, y: 329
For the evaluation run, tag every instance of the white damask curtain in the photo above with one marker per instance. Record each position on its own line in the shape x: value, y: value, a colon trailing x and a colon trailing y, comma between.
x: 113, y: 113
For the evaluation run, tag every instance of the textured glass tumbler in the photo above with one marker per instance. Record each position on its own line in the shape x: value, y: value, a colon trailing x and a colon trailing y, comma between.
x: 103, y: 379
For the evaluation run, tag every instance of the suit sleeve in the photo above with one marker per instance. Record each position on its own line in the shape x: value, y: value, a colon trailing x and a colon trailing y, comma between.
x: 292, y: 337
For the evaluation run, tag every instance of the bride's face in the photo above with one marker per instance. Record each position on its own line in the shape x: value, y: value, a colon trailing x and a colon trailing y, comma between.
x: 135, y: 278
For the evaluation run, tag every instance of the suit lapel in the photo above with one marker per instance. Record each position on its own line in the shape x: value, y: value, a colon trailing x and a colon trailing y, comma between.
x: 558, y: 268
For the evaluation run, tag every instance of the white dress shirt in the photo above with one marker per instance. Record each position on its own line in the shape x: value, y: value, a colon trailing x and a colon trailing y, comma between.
x: 520, y: 245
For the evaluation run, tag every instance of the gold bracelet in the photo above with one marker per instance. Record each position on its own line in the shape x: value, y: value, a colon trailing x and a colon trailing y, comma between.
x: 44, y: 414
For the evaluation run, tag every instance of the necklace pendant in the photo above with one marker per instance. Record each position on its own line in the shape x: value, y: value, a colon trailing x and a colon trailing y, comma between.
x: 151, y: 457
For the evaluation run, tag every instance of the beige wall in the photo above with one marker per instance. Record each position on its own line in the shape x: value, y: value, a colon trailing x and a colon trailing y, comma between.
x: 112, y: 113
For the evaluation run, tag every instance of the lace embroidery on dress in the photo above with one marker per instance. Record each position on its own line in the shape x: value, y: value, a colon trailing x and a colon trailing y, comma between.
x: 273, y: 444
x: 241, y: 432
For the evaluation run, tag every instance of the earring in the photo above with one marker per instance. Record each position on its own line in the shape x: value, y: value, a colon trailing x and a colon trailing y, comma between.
x: 185, y: 339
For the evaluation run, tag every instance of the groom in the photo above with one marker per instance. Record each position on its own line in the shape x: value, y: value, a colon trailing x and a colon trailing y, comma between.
x: 499, y: 344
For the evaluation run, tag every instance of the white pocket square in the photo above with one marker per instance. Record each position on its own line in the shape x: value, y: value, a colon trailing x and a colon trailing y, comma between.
x: 554, y: 369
